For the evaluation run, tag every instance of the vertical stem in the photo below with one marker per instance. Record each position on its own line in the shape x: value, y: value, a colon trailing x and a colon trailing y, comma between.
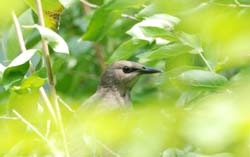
x: 19, y: 33
x: 206, y: 62
x: 23, y: 49
x: 99, y: 56
x: 51, y: 79
x: 87, y: 8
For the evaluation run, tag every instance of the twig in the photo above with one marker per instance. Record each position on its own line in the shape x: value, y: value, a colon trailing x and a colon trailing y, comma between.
x: 23, y: 49
x: 48, y: 128
x: 51, y: 79
x: 65, y: 104
x: 130, y: 17
x: 19, y: 33
x: 99, y: 56
x: 33, y: 128
x: 206, y: 62
x: 107, y: 148
x: 47, y: 102
x: 8, y: 118
x: 90, y: 4
x: 30, y: 126
x: 237, y: 2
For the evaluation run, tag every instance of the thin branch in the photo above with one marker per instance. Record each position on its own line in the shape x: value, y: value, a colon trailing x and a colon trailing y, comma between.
x: 107, y: 148
x: 47, y: 102
x: 99, y: 56
x: 206, y: 62
x: 30, y: 126
x: 51, y: 79
x: 33, y: 128
x: 90, y: 4
x: 8, y: 118
x: 48, y: 128
x: 65, y: 104
x: 237, y: 2
x: 130, y: 17
x: 23, y: 49
x: 19, y: 33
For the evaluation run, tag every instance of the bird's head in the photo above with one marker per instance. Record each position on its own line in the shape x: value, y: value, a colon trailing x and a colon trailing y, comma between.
x: 123, y: 74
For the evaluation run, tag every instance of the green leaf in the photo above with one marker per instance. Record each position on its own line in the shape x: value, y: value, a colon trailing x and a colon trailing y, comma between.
x: 14, y: 75
x: 200, y: 78
x: 158, y: 21
x: 106, y: 15
x: 164, y: 52
x: 157, y: 32
x: 99, y: 26
x: 192, y: 41
x: 56, y: 42
x: 52, y: 10
x: 32, y: 82
x: 16, y: 70
x: 126, y: 49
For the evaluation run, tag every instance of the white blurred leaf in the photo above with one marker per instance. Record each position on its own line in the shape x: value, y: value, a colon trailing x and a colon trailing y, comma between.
x: 2, y: 68
x: 56, y: 42
x: 162, y: 21
x: 22, y: 58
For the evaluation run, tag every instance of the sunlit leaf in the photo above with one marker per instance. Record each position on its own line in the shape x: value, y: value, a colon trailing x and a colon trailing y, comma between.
x: 52, y: 10
x: 164, y: 52
x: 106, y: 15
x: 160, y: 21
x: 56, y: 42
x: 200, y: 78
x: 16, y: 70
x: 33, y: 81
x: 126, y: 49
x: 157, y: 32
x: 22, y: 58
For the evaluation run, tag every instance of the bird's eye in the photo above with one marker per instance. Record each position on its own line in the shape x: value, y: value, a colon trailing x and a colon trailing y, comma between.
x: 126, y: 69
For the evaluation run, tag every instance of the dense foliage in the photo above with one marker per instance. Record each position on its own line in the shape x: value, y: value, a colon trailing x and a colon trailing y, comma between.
x: 198, y: 107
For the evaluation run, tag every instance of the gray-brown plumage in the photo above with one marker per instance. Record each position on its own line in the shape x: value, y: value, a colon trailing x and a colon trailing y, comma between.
x: 116, y: 83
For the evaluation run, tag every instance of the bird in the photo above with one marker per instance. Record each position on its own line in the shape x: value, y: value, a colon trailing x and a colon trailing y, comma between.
x: 116, y: 83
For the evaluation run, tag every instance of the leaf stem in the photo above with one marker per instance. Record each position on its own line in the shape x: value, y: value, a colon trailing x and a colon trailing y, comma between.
x: 51, y: 79
x: 23, y: 49
x: 206, y: 62
x: 33, y: 128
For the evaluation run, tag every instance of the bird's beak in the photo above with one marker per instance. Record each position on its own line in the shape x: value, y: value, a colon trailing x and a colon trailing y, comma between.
x: 149, y: 70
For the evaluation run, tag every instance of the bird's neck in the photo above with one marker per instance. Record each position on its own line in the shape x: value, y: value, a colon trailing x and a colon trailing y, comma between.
x: 123, y: 94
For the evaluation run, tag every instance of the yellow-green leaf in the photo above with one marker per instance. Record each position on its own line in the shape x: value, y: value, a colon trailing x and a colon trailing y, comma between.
x: 52, y: 10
